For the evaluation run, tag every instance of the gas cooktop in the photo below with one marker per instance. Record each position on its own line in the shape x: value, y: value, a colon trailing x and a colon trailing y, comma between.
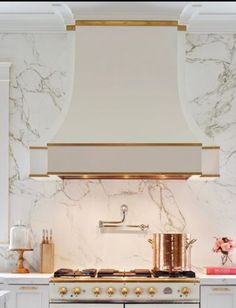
x: 112, y: 273
x: 121, y: 286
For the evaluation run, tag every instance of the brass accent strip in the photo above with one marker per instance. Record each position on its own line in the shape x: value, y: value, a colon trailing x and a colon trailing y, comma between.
x: 124, y: 144
x: 210, y: 175
x: 127, y: 173
x: 38, y: 148
x: 182, y: 28
x: 124, y: 176
x: 121, y: 23
x: 70, y: 27
x: 122, y: 280
x: 211, y: 148
x: 140, y: 177
x: 38, y: 175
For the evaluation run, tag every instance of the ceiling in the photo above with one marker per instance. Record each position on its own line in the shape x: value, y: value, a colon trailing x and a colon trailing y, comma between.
x: 54, y: 16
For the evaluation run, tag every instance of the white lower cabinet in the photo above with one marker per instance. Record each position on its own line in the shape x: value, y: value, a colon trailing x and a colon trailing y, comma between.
x: 2, y: 302
x: 28, y: 296
x: 218, y: 296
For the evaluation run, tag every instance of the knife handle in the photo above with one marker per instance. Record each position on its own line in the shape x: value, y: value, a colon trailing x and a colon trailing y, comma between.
x: 50, y: 238
x: 43, y: 239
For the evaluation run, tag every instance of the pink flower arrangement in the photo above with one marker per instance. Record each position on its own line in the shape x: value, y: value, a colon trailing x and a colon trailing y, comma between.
x: 224, y: 245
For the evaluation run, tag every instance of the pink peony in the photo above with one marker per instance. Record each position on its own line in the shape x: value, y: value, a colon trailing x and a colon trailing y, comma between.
x: 226, y: 247
x: 219, y: 242
x: 233, y: 244
x: 216, y: 248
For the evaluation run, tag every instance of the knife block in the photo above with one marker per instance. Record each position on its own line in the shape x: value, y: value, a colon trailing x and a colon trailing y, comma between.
x: 47, y: 258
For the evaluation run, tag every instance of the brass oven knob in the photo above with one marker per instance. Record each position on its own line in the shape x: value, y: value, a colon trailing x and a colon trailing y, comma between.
x: 152, y: 291
x: 76, y: 291
x: 138, y: 291
x: 124, y: 291
x: 110, y: 291
x: 63, y: 291
x: 96, y: 291
x: 185, y: 291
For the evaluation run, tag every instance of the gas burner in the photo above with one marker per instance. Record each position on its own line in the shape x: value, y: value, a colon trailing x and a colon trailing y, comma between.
x: 183, y: 274
x: 116, y: 273
x: 66, y: 272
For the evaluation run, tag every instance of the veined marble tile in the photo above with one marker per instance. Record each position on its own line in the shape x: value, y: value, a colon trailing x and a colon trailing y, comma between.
x: 40, y: 79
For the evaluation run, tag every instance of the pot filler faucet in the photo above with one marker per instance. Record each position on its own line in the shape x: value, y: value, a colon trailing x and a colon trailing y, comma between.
x: 121, y: 223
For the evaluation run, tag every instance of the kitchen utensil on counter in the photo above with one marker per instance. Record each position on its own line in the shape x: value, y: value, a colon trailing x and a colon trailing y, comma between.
x: 20, y: 242
x: 171, y: 252
x: 47, y: 252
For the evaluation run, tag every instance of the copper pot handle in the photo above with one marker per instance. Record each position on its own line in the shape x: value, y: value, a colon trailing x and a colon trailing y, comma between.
x: 154, y: 247
x: 190, y: 243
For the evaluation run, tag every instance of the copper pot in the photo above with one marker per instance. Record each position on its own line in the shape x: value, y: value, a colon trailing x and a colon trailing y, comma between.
x: 171, y: 251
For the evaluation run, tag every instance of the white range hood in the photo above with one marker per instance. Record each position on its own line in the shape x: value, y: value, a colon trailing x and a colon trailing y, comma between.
x: 126, y: 119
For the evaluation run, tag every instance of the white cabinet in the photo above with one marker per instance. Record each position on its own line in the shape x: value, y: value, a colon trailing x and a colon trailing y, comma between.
x: 3, y: 298
x: 218, y: 296
x: 28, y: 296
x: 2, y: 302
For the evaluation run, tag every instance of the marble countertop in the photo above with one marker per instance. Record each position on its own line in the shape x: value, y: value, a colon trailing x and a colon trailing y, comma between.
x: 31, y: 278
x: 3, y: 296
x: 38, y: 278
x: 217, y: 279
x: 3, y: 293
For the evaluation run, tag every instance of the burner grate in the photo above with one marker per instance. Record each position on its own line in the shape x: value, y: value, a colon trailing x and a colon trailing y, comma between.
x: 103, y: 273
x: 182, y: 274
x: 66, y: 272
x: 116, y: 273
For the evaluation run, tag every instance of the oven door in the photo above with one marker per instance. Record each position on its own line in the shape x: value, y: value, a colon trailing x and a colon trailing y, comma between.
x: 167, y: 305
x: 75, y: 305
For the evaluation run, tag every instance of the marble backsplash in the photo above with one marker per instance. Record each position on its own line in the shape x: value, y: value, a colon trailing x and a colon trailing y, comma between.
x: 40, y: 78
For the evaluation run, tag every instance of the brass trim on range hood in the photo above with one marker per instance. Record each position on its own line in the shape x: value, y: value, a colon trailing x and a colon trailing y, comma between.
x: 127, y: 144
x: 126, y: 23
x: 124, y: 176
x: 122, y: 161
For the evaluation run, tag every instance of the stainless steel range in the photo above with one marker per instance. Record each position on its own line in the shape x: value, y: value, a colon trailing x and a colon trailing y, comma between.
x: 120, y: 289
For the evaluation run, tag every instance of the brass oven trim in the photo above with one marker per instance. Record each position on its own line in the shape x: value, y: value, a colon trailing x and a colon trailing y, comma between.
x: 123, y: 280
